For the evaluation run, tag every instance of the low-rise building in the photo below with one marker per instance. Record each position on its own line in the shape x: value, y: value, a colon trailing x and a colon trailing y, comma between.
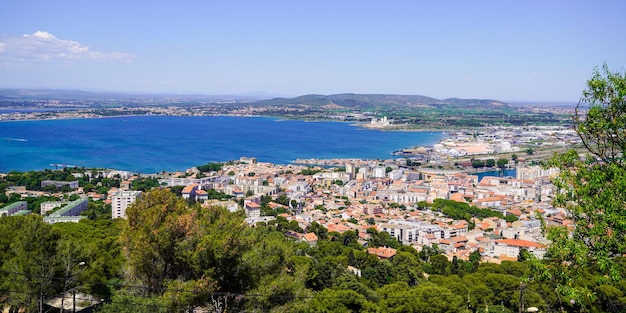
x: 69, y: 213
x: 15, y: 208
x: 512, y: 247
x: 59, y: 184
x: 48, y: 206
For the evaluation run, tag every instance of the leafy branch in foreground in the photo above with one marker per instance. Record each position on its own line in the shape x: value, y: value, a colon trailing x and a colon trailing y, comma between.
x: 593, y: 191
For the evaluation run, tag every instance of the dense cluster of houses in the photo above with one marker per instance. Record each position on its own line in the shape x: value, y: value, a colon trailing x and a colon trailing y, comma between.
x: 386, y: 195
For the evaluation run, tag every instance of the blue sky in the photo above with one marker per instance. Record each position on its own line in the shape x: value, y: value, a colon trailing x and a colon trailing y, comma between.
x: 505, y: 50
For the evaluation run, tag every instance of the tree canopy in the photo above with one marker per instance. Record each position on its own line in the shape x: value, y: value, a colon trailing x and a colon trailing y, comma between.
x: 593, y: 191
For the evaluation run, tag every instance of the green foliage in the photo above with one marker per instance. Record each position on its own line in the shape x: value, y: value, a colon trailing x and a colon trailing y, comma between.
x: 382, y: 239
x: 34, y: 203
x: 145, y: 184
x: 210, y: 167
x: 168, y: 243
x: 218, y: 195
x: 280, y: 293
x: 478, y: 163
x: 439, y: 265
x: 99, y: 245
x: 602, y: 128
x: 124, y: 302
x: 320, y: 231
x: 510, y: 218
x: 309, y: 171
x: 341, y: 301
x: 593, y: 191
x: 462, y: 210
x: 28, y: 260
x: 502, y: 163
x: 32, y: 179
x: 151, y: 237
x: 282, y: 199
x: 427, y: 297
x: 177, y: 190
x: 407, y: 268
x: 410, y: 162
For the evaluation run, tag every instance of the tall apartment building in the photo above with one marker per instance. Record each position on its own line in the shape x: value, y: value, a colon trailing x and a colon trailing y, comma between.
x: 121, y: 201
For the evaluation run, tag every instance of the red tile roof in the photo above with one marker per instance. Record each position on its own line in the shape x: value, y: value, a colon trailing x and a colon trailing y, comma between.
x: 382, y: 252
x: 519, y: 243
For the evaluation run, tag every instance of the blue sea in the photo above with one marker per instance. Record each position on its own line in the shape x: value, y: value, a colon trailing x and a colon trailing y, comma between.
x: 151, y: 144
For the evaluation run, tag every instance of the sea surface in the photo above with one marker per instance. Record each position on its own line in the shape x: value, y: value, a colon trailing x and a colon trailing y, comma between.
x: 151, y: 144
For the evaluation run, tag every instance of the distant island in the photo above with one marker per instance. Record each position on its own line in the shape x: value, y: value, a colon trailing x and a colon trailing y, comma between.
x: 381, y: 111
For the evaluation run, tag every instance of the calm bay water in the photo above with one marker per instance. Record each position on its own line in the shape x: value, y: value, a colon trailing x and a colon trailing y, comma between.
x: 150, y: 144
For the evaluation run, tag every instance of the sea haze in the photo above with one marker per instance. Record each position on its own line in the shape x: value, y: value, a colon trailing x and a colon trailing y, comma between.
x: 151, y: 144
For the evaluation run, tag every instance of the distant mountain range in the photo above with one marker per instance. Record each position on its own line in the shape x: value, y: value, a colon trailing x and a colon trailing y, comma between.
x: 364, y: 101
x: 311, y: 101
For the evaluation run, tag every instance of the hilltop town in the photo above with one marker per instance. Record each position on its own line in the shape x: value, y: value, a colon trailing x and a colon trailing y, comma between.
x: 409, y: 197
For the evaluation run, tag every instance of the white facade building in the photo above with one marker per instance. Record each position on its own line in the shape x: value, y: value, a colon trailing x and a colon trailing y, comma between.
x: 121, y: 201
x: 379, y: 172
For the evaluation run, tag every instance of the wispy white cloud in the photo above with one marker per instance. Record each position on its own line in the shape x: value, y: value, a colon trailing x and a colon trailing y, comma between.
x: 45, y: 47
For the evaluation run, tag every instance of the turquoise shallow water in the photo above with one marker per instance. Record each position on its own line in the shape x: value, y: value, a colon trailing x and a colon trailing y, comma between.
x: 150, y: 144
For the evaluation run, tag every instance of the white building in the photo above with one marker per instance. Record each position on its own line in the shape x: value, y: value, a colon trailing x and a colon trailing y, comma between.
x: 49, y: 206
x: 409, y: 232
x: 121, y: 201
x: 350, y: 170
x: 535, y: 172
x: 379, y: 172
x: 512, y: 247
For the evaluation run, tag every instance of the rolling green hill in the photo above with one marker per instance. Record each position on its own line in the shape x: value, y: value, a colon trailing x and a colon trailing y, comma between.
x: 363, y: 101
